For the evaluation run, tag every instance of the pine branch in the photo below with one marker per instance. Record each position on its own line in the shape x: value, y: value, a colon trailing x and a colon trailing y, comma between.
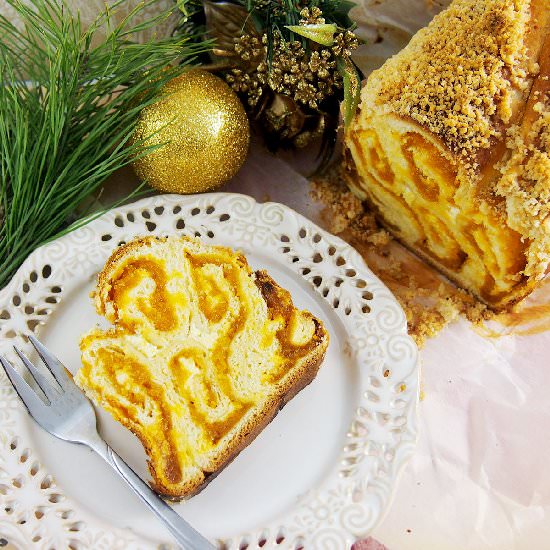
x: 68, y: 108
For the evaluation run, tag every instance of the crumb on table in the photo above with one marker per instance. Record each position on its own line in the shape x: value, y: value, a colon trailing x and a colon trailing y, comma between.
x: 429, y: 300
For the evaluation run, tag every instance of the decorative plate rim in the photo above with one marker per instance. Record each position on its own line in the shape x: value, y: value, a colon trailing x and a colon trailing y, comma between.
x: 381, y: 437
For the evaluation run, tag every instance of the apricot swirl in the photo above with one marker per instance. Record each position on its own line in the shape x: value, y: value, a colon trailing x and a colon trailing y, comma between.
x: 414, y: 184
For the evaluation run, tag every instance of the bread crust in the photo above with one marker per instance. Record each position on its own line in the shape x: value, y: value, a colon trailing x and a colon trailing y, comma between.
x: 299, y: 375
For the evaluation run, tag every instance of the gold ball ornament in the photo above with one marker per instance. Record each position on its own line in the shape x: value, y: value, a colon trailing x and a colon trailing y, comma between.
x: 205, y: 131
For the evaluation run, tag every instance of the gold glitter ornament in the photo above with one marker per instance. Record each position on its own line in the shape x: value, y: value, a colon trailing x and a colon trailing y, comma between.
x: 204, y: 128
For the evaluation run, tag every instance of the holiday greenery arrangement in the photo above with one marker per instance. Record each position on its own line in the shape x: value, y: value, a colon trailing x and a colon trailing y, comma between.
x: 289, y: 60
x: 77, y: 104
x: 69, y: 103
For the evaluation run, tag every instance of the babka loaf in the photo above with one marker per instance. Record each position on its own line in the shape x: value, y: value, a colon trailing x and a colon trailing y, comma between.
x: 202, y: 355
x: 451, y: 146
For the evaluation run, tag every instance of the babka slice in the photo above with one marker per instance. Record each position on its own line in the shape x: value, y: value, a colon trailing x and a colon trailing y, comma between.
x: 451, y: 146
x: 202, y: 355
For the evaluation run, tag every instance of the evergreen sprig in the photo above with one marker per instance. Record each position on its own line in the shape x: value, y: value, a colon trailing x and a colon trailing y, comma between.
x: 69, y: 100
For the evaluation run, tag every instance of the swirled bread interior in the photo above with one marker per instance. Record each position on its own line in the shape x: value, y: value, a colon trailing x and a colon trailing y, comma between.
x: 451, y: 146
x: 202, y: 354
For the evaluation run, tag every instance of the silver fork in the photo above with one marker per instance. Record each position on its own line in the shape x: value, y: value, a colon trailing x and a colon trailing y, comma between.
x: 67, y: 414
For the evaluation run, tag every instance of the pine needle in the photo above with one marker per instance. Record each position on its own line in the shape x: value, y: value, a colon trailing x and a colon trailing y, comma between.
x: 68, y: 108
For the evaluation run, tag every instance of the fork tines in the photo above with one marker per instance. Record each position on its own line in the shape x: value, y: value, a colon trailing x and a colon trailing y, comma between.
x: 52, y: 388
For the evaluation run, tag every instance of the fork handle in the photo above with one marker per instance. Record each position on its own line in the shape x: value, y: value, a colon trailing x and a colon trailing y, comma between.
x: 186, y: 536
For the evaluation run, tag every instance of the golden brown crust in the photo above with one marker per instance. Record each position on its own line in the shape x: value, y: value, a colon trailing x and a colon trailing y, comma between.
x: 301, y: 366
x: 525, y: 181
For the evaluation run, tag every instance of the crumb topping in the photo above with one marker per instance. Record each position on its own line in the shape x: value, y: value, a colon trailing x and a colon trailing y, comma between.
x: 525, y: 184
x: 459, y: 76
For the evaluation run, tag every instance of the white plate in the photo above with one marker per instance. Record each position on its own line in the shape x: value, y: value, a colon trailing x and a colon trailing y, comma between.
x: 319, y: 476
